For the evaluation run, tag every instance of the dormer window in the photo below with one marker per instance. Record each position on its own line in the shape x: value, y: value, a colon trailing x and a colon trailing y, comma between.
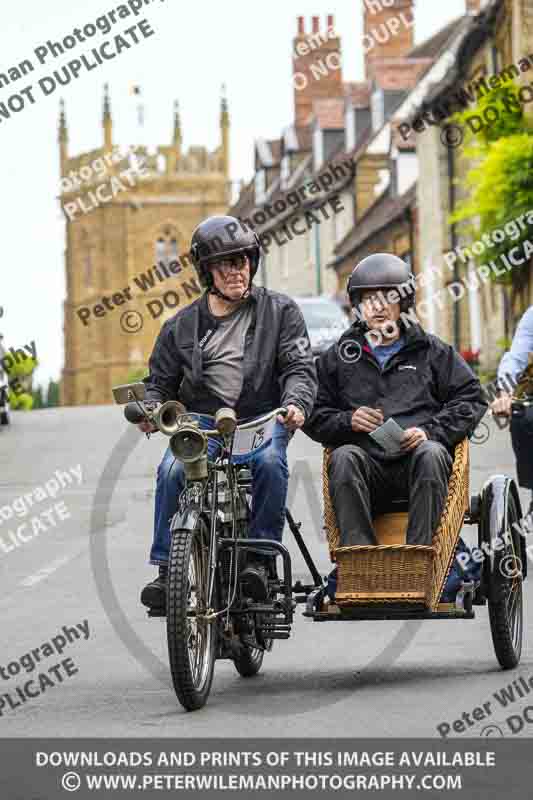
x: 260, y: 187
x: 377, y: 108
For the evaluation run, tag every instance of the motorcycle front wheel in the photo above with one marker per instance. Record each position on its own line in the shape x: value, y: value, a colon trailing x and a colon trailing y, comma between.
x: 191, y: 638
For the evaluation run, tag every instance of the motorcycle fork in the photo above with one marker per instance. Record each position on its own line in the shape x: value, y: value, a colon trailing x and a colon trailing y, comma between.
x: 213, y: 549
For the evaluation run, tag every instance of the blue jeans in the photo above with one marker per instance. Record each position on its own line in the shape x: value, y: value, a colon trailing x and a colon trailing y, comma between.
x: 270, y: 480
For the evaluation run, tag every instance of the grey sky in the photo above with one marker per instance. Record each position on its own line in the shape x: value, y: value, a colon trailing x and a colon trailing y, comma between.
x: 197, y: 47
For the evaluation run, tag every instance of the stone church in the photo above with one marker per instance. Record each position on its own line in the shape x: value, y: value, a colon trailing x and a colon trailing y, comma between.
x: 130, y: 217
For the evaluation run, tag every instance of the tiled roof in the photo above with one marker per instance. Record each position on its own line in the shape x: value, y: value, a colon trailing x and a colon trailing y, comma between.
x: 384, y: 211
x: 471, y: 31
x: 436, y: 43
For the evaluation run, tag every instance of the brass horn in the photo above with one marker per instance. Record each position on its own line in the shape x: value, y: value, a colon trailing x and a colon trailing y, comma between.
x: 166, y: 417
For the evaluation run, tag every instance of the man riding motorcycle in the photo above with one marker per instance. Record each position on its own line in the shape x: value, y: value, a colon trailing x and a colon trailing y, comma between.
x: 380, y: 368
x: 237, y: 346
x: 512, y: 365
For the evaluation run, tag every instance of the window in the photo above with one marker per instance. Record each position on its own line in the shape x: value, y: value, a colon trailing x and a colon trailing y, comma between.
x: 166, y: 247
x: 260, y: 187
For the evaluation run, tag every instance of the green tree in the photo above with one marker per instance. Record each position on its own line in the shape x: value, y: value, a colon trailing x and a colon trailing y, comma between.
x: 20, y: 384
x: 52, y: 394
x: 499, y: 184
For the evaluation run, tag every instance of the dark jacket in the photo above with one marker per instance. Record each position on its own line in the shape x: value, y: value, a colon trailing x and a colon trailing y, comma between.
x: 278, y: 366
x: 427, y: 385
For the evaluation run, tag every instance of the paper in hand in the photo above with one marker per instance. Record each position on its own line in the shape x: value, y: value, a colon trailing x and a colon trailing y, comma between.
x: 389, y: 436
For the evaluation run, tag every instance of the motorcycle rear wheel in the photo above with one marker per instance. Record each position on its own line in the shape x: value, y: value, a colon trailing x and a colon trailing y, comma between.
x: 249, y: 662
x: 191, y: 639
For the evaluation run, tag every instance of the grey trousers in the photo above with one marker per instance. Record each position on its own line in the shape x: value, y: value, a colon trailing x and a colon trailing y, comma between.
x: 360, y: 484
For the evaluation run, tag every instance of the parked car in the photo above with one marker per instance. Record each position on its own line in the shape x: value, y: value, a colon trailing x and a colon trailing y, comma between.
x: 325, y: 321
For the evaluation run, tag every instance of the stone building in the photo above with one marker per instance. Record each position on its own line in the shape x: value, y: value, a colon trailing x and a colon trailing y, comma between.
x: 386, y: 166
x: 296, y: 262
x: 335, y: 123
x: 129, y: 218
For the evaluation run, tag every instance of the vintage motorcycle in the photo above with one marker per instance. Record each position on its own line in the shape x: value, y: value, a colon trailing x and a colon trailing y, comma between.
x: 208, y: 615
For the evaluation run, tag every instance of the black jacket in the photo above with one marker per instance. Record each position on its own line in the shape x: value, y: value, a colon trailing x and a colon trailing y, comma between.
x: 278, y: 366
x: 427, y: 385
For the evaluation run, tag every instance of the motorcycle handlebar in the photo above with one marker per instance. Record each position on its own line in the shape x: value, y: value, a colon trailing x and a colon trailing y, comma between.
x: 133, y: 413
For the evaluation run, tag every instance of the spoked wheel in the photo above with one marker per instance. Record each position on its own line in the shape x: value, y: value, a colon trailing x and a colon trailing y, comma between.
x: 249, y: 662
x: 191, y: 639
x: 505, y: 593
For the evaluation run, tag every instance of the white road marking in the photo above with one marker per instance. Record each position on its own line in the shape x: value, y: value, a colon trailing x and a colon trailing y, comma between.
x: 45, y: 572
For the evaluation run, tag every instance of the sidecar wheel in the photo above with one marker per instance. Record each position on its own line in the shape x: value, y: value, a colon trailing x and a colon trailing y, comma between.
x: 503, y: 569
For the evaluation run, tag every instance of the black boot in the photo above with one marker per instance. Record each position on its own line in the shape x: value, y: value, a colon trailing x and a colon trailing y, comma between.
x: 254, y: 579
x: 154, y: 594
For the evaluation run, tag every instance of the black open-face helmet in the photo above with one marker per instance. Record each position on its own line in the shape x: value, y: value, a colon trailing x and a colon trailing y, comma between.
x: 222, y: 237
x: 382, y: 271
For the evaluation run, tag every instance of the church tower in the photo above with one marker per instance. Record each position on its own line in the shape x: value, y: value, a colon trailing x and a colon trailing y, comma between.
x: 130, y: 214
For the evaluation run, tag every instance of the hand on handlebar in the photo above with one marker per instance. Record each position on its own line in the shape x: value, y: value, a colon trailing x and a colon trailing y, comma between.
x: 294, y: 418
x: 501, y: 407
x: 147, y: 427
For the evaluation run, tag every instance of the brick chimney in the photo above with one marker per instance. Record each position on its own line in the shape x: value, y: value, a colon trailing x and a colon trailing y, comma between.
x: 388, y: 31
x: 317, y: 68
x: 473, y: 7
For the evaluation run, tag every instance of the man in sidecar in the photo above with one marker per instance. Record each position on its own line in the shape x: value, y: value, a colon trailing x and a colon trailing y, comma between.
x: 237, y: 346
x: 385, y: 366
